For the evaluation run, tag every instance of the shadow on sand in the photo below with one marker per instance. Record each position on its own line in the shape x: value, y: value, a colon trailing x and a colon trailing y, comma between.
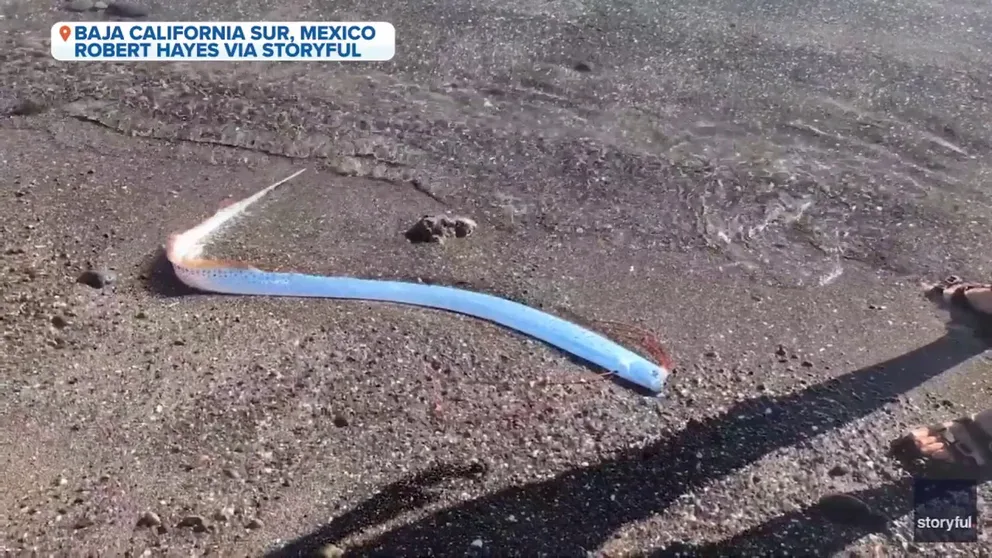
x: 583, y: 508
x: 160, y: 279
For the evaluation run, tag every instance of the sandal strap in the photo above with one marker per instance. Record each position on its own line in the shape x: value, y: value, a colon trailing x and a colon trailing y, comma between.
x: 975, y: 438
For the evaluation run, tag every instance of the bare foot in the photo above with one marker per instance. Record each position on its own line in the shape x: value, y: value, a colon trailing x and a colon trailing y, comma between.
x: 976, y: 297
x: 961, y: 448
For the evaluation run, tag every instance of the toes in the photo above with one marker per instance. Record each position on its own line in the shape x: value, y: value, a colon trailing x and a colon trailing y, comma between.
x: 932, y: 449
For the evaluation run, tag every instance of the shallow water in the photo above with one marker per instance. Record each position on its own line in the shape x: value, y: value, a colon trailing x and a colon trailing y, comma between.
x: 794, y: 141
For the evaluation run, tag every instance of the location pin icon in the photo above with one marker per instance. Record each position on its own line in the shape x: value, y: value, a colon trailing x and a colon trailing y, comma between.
x: 65, y: 31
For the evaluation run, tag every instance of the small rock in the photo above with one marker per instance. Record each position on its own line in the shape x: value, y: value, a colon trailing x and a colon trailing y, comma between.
x: 849, y: 510
x: 582, y: 67
x: 340, y: 421
x: 224, y: 514
x: 82, y: 523
x: 126, y: 9
x: 254, y: 523
x: 79, y: 5
x: 231, y: 473
x: 437, y: 228
x: 28, y: 107
x: 477, y: 543
x: 838, y: 471
x: 193, y: 522
x: 807, y: 364
x: 59, y: 322
x: 464, y: 227
x: 780, y: 351
x: 429, y: 229
x: 99, y: 5
x: 149, y: 519
x: 96, y: 278
x: 331, y: 551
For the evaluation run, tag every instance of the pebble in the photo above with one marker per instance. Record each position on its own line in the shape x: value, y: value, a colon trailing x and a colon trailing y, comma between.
x: 255, y: 523
x: 224, y: 514
x: 79, y: 5
x: 848, y: 510
x: 96, y: 278
x: 59, y: 322
x: 149, y: 519
x: 126, y: 9
x: 464, y: 227
x: 477, y: 543
x: 99, y: 5
x: 582, y: 67
x: 340, y: 421
x: 82, y: 523
x: 231, y: 473
x: 193, y: 522
x: 838, y: 471
x: 28, y: 107
x: 332, y: 551
x: 437, y: 228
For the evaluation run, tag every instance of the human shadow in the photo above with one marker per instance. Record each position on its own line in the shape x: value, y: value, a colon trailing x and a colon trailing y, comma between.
x: 821, y: 529
x: 402, y: 496
x: 582, y: 508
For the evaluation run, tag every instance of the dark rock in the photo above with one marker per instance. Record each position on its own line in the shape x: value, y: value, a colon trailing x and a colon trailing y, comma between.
x: 126, y: 9
x: 149, y: 519
x: 28, y: 107
x: 436, y: 229
x: 849, y: 510
x: 838, y: 471
x: 430, y: 229
x: 193, y: 522
x: 79, y: 5
x: 59, y: 322
x: 582, y: 67
x: 340, y: 421
x: 464, y: 227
